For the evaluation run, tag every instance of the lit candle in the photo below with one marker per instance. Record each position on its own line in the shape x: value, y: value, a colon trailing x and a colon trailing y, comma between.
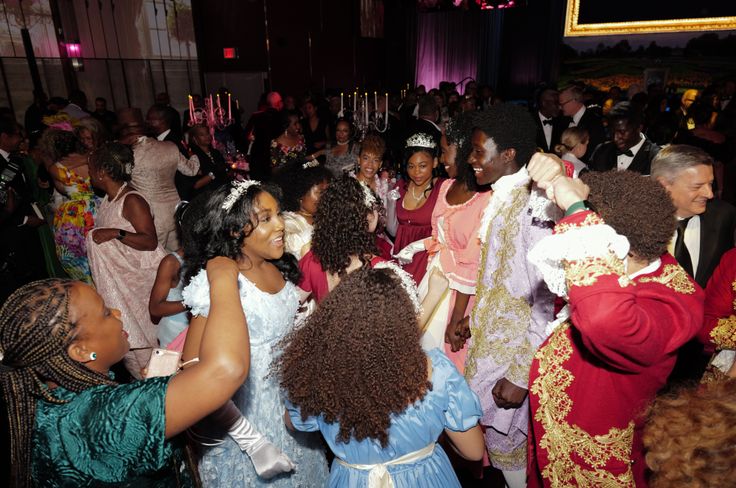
x: 341, y: 104
x: 366, y: 109
x: 191, y: 110
x: 218, y: 101
x: 386, y: 110
x: 355, y: 100
x: 229, y: 107
x: 375, y: 101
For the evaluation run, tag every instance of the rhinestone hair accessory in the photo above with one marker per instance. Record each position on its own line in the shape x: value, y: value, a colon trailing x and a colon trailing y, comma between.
x: 369, y: 198
x: 238, y: 190
x: 420, y: 139
x: 406, y: 282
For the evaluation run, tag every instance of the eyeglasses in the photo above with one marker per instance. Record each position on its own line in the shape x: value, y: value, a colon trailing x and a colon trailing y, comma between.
x: 562, y: 104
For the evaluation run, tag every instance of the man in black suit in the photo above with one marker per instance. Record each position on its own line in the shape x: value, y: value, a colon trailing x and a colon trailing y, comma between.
x: 571, y: 104
x: 629, y: 149
x: 550, y: 125
x: 705, y: 231
x: 21, y: 256
x: 428, y: 115
x: 262, y: 128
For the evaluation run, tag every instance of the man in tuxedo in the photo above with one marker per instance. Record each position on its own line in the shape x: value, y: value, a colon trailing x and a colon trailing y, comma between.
x: 704, y: 233
x: 550, y: 125
x: 262, y: 128
x: 426, y: 122
x: 21, y: 256
x: 571, y: 104
x: 629, y: 149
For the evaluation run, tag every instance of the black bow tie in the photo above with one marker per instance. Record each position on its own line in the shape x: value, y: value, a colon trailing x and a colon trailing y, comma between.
x: 625, y: 153
x: 547, y: 122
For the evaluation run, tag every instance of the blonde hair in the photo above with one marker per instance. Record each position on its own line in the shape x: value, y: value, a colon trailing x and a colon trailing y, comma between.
x: 571, y: 138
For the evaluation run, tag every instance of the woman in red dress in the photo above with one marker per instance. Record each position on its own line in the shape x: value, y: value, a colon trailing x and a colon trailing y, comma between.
x: 415, y: 199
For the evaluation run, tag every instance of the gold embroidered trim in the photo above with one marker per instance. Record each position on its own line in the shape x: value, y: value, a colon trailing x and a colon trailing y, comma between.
x: 724, y: 334
x: 674, y: 278
x: 590, y: 219
x: 585, y: 272
x: 561, y: 440
x: 499, y: 316
x: 508, y: 460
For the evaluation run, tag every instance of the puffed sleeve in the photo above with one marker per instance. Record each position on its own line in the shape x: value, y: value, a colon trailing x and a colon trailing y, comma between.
x: 463, y: 407
x: 108, y: 433
x: 308, y: 425
x: 196, y: 294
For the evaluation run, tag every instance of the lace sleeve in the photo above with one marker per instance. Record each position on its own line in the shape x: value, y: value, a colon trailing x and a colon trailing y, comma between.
x: 197, y: 294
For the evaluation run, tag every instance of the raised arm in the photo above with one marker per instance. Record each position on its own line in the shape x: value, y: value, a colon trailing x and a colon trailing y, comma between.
x: 224, y: 354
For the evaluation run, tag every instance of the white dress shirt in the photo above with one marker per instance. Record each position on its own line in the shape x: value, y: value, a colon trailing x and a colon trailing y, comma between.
x: 623, y: 161
x: 163, y: 135
x: 547, y: 128
x: 576, y: 118
x: 692, y: 241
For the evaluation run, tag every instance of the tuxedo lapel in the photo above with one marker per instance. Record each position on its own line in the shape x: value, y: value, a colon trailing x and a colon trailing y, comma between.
x: 709, y: 239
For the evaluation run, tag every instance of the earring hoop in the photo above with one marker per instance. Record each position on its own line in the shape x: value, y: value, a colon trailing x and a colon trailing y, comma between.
x: 92, y: 356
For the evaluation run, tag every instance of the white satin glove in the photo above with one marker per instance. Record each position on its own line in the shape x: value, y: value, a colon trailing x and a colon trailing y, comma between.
x: 268, y: 460
x: 406, y: 255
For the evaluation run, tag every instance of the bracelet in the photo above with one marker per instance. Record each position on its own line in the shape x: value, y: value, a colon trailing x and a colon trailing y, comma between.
x: 575, y: 207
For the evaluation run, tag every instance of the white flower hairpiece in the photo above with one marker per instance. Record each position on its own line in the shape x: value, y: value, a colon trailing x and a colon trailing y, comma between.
x: 312, y: 163
x: 239, y: 188
x: 406, y: 282
x: 369, y: 198
x: 420, y: 139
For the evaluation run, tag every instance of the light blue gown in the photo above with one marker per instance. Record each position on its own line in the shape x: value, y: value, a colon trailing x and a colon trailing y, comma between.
x: 171, y: 326
x: 270, y: 317
x: 450, y: 404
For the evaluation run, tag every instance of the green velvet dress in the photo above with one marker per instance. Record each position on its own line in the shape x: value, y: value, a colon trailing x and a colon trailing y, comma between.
x: 107, y: 436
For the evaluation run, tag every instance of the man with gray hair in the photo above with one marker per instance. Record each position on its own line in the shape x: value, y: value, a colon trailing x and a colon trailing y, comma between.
x: 705, y: 231
x: 572, y: 106
x: 706, y: 227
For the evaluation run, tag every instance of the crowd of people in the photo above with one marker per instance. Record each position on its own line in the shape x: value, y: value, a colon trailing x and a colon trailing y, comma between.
x: 462, y: 287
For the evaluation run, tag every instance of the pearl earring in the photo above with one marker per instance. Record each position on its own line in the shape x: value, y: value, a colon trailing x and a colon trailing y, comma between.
x: 92, y: 356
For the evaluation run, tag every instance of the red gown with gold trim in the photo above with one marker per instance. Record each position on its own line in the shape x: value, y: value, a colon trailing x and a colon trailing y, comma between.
x: 595, y: 375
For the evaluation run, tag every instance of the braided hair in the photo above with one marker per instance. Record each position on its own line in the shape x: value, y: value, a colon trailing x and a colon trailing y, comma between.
x: 35, y: 331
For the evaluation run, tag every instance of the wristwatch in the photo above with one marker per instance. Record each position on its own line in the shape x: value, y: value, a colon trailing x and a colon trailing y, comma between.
x: 121, y: 235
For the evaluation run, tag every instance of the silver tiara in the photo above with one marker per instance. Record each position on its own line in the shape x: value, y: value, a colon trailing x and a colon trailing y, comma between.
x: 420, y: 139
x: 238, y: 190
x: 406, y: 282
x: 369, y: 198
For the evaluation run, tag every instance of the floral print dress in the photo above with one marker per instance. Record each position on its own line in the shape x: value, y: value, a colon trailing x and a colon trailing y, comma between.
x: 282, y: 154
x: 73, y: 219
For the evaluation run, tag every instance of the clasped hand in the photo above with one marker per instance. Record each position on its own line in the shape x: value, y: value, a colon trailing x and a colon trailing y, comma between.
x: 546, y: 171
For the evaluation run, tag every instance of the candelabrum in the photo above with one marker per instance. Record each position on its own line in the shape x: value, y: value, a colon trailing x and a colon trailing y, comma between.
x: 365, y: 123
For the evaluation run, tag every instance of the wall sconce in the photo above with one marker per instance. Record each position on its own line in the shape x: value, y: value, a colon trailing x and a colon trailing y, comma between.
x: 74, y: 52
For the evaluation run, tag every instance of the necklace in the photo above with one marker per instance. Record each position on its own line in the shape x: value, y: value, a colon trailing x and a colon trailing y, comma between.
x: 343, y: 143
x: 119, y: 192
x: 421, y: 195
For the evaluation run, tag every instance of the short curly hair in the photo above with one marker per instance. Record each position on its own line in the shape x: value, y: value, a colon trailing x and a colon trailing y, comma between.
x: 368, y: 340
x: 690, y: 437
x: 511, y: 127
x: 373, y: 143
x: 58, y: 143
x: 114, y: 159
x: 637, y: 207
x: 341, y: 226
x: 458, y: 131
x: 296, y: 181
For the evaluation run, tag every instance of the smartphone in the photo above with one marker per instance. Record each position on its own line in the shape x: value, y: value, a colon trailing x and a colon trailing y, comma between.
x: 163, y: 363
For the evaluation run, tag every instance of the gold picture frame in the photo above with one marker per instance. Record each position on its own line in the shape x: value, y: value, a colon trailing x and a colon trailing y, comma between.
x: 574, y: 29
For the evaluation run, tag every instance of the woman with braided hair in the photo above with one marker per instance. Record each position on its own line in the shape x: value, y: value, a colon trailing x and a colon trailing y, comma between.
x: 70, y: 423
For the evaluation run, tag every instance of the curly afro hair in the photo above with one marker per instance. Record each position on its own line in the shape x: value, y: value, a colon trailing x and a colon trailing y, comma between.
x: 637, y: 207
x: 341, y: 226
x: 370, y: 363
x: 296, y: 181
x: 511, y: 127
x: 690, y: 437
